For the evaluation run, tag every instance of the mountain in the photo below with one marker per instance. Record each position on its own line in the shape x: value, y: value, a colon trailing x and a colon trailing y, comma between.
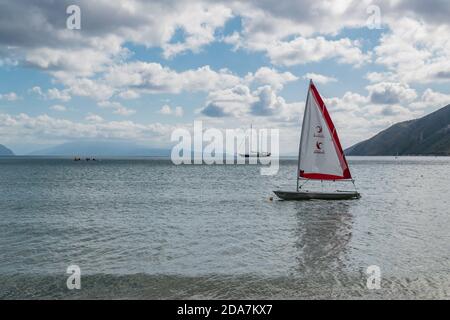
x: 101, y: 148
x: 4, y: 151
x: 429, y: 135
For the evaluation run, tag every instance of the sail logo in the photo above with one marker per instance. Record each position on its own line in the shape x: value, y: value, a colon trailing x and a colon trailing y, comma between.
x: 211, y: 147
x: 319, y: 147
x: 318, y: 132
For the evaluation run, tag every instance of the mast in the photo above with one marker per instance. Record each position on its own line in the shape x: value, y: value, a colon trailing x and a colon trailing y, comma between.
x: 301, y: 135
x: 259, y: 144
x: 251, y: 134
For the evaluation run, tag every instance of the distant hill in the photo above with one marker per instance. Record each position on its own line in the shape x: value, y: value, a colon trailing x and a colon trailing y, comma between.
x: 429, y: 135
x: 101, y: 148
x: 4, y: 151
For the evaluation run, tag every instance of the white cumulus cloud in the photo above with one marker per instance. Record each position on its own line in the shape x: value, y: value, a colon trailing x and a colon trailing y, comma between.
x: 167, y: 110
x: 319, y: 78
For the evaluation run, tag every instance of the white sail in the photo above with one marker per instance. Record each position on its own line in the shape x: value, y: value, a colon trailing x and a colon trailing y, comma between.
x: 320, y: 153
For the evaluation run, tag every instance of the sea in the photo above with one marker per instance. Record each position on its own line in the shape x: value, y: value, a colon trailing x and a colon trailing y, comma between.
x: 144, y: 228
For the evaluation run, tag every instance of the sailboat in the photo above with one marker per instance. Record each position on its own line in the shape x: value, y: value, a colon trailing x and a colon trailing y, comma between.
x: 320, y: 154
x: 253, y: 154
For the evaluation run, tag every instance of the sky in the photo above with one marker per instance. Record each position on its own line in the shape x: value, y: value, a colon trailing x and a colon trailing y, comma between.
x: 137, y: 70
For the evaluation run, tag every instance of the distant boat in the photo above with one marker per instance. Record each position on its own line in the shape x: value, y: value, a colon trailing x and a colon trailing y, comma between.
x: 254, y: 154
x: 320, y: 153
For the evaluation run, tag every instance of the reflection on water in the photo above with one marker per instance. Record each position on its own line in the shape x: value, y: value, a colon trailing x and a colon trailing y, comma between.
x: 324, y: 230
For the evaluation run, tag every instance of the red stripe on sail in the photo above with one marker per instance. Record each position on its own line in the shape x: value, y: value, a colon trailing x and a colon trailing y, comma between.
x: 336, y: 142
x: 320, y: 176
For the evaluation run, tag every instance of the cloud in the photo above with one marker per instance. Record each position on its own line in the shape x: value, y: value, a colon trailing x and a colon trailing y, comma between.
x: 55, y: 94
x: 443, y: 75
x: 289, y: 38
x: 270, y: 76
x: 391, y: 93
x: 167, y: 110
x: 91, y: 117
x: 381, y: 76
x: 105, y: 28
x: 45, y: 128
x: 268, y: 102
x: 52, y: 94
x: 277, y: 20
x: 124, y: 111
x: 431, y: 99
x: 393, y: 110
x: 58, y: 107
x: 396, y: 102
x: 306, y: 50
x: 301, y: 50
x: 240, y: 101
x: 350, y: 102
x: 130, y: 80
x: 414, y: 52
x: 37, y: 90
x: 199, y: 23
x: 79, y: 62
x: 176, y: 27
x: 414, y: 44
x: 432, y: 11
x: 11, y: 96
x: 319, y: 78
x: 117, y: 107
x: 129, y: 94
x: 133, y: 79
x: 216, y: 110
x: 154, y: 78
x: 94, y: 89
x: 232, y: 102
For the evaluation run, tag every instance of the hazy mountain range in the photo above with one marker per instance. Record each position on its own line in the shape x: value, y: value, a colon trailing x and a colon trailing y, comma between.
x: 4, y: 151
x: 101, y: 148
x: 429, y: 135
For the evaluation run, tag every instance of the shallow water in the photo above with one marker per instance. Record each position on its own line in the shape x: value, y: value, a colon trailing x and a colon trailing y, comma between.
x: 144, y: 228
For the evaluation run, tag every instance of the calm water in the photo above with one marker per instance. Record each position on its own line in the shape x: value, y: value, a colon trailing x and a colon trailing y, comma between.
x: 145, y: 228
